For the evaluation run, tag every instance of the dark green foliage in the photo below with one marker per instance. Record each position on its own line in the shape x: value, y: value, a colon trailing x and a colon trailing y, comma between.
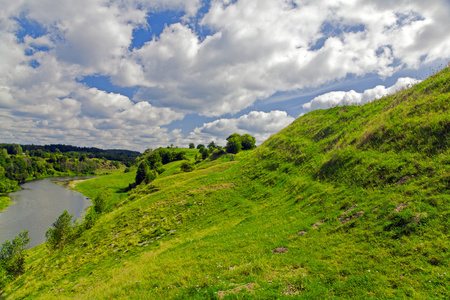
x: 142, y: 172
x: 200, y: 146
x: 158, y: 167
x: 191, y: 146
x: 12, y: 256
x: 187, y: 166
x: 234, y: 143
x: 204, y: 152
x: 212, y: 146
x: 152, y: 174
x: 154, y: 158
x: 162, y: 156
x: 166, y: 155
x: 61, y: 233
x: 248, y: 142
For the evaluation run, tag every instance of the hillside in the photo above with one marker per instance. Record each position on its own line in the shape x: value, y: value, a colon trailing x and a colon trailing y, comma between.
x: 349, y: 202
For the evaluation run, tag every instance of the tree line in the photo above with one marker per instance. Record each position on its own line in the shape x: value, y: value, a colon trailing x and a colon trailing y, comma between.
x: 17, y: 166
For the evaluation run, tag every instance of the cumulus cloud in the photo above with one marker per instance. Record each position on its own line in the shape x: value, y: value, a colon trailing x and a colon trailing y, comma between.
x: 259, y: 124
x: 216, y: 59
x: 340, y: 98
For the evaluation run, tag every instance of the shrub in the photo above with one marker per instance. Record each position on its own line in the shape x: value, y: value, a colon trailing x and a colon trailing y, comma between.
x: 90, y: 218
x: 204, y: 152
x: 61, y: 232
x: 12, y: 256
x: 187, y: 166
x: 99, y: 203
x: 150, y: 176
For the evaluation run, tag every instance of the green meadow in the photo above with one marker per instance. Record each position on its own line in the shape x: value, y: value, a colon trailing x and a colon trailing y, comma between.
x: 346, y: 203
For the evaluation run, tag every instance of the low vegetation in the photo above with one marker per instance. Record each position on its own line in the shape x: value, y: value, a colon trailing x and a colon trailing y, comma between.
x: 12, y: 257
x: 349, y: 202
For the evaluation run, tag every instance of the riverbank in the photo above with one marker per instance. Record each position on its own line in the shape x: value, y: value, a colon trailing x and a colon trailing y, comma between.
x: 37, y: 205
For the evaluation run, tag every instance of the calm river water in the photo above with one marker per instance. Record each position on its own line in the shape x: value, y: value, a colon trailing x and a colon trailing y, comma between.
x: 37, y: 206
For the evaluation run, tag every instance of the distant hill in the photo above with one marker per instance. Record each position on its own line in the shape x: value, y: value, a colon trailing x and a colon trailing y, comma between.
x: 349, y: 202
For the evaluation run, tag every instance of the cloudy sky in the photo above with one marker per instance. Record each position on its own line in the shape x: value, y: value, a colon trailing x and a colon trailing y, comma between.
x: 136, y: 74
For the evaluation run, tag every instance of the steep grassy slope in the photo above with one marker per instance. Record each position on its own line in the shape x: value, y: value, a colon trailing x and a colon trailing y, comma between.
x: 354, y: 199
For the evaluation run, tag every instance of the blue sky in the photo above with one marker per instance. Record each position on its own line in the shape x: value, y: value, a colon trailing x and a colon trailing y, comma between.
x: 136, y: 74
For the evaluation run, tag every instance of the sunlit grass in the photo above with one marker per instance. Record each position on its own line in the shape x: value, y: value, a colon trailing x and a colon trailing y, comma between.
x: 358, y: 197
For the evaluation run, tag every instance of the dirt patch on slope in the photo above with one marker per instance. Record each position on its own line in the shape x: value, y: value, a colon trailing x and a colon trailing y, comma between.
x: 247, y: 287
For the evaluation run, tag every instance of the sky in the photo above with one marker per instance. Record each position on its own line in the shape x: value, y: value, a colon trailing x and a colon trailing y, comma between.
x: 136, y: 74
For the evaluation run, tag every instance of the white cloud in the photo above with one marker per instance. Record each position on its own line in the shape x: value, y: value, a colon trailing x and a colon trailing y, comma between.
x: 260, y: 47
x: 340, y: 98
x: 255, y: 49
x: 259, y: 124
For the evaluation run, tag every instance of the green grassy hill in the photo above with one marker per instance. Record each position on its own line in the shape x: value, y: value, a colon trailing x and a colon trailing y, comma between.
x: 349, y: 202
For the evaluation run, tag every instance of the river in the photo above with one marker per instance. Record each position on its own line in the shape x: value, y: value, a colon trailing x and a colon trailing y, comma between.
x: 37, y: 206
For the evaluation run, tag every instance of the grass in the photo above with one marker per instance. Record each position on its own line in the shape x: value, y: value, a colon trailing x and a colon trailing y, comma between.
x: 4, y: 202
x: 368, y: 185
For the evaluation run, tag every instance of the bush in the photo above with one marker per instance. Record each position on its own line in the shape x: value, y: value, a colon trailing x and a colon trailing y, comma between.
x: 61, y: 232
x: 150, y: 176
x: 142, y: 172
x: 90, y: 218
x: 12, y: 256
x: 187, y: 166
x: 204, y: 152
x: 99, y: 203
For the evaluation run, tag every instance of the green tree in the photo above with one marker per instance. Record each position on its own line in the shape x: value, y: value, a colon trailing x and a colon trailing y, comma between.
x: 212, y: 145
x: 234, y: 143
x: 142, y: 172
x: 191, y: 146
x: 204, y: 152
x: 12, y: 256
x: 200, y: 146
x: 61, y: 232
x: 248, y: 142
x: 154, y: 158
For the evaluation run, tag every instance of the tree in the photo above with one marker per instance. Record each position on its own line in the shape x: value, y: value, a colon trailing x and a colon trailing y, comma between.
x: 200, y: 146
x: 204, y: 152
x: 191, y: 146
x: 154, y: 158
x: 234, y: 143
x: 248, y: 142
x: 61, y: 232
x: 142, y: 172
x: 212, y: 145
x: 12, y: 256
